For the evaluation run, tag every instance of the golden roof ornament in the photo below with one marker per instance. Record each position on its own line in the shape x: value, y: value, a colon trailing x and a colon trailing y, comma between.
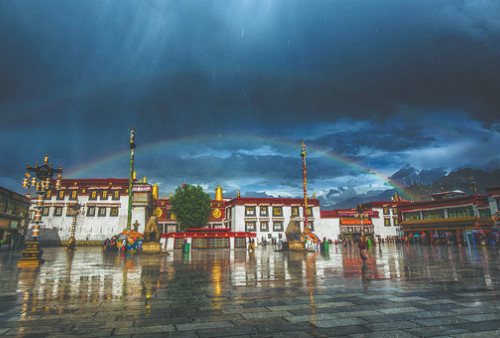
x: 218, y: 194
x: 238, y: 196
x: 155, y: 191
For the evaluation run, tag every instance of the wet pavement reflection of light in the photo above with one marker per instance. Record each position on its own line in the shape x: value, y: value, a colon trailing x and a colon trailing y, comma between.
x: 222, y: 278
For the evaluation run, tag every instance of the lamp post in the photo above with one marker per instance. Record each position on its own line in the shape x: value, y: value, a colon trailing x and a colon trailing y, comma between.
x: 304, y: 184
x: 75, y: 211
x: 475, y: 210
x: 41, y: 182
x: 131, y: 177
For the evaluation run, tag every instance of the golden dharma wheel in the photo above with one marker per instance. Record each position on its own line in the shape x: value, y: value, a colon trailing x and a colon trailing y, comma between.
x: 216, y: 213
x: 157, y: 212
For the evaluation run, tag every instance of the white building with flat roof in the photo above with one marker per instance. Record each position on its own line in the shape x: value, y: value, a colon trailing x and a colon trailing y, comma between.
x: 104, y: 210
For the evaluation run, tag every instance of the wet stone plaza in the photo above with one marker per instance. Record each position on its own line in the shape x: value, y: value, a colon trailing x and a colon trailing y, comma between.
x: 405, y: 291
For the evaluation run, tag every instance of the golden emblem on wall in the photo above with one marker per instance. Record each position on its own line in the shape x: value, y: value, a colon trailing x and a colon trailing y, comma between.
x: 157, y: 212
x: 216, y: 213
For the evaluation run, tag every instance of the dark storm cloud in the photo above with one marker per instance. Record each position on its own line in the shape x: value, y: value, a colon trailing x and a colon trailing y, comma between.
x: 76, y: 76
x: 213, y: 64
x: 236, y: 165
x: 377, y: 137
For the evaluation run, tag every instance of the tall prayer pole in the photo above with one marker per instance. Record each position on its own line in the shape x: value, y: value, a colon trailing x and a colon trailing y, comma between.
x: 131, y: 177
x: 304, y: 184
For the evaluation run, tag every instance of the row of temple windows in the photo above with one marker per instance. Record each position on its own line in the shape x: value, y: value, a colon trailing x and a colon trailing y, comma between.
x: 251, y: 226
x: 440, y: 213
x: 387, y: 211
x: 91, y: 211
x: 93, y: 194
x: 12, y: 208
x: 276, y: 211
x: 387, y: 221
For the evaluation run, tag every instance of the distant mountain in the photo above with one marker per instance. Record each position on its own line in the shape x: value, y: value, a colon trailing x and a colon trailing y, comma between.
x: 460, y: 180
x: 457, y: 180
x: 409, y: 176
x: 360, y: 199
x: 418, y: 192
x: 345, y: 198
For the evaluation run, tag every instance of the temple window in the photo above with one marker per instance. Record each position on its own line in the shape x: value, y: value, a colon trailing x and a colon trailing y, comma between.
x: 264, y: 226
x: 484, y: 213
x: 277, y: 226
x: 58, y: 211
x: 295, y: 211
x: 277, y: 211
x: 104, y: 195
x: 93, y: 195
x: 459, y: 212
x: 412, y: 216
x: 114, y: 211
x: 264, y: 211
x: 433, y: 214
x: 249, y: 211
x: 3, y: 205
x: 102, y: 212
x: 45, y: 211
x: 73, y: 195
x: 91, y: 211
x: 386, y: 211
x: 60, y: 195
x: 250, y: 226
x: 116, y: 194
x: 387, y: 221
x: 309, y: 211
x: 12, y: 208
x: 395, y: 221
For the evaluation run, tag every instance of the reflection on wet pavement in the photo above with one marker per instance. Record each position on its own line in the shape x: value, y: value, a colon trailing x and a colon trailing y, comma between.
x: 411, y: 290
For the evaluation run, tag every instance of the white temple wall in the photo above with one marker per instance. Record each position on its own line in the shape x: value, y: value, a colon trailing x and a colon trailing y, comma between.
x: 328, y: 228
x: 379, y: 227
x: 139, y: 215
x: 92, y: 228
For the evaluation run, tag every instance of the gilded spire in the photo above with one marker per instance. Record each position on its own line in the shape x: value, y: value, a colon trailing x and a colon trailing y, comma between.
x: 238, y: 193
x: 218, y: 194
x: 155, y: 191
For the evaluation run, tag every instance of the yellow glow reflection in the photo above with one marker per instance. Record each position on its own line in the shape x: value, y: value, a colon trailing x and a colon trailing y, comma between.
x: 216, y: 274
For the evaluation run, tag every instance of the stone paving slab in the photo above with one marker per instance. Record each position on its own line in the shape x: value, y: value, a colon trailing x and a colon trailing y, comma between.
x: 433, y: 314
x: 214, y: 294
x: 312, y: 318
x: 388, y: 333
x: 403, y: 309
x: 352, y: 314
x: 339, y: 322
x: 390, y: 326
x: 437, y: 331
x: 340, y: 331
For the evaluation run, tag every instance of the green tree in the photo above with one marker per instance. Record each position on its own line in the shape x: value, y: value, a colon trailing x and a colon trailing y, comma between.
x: 191, y: 206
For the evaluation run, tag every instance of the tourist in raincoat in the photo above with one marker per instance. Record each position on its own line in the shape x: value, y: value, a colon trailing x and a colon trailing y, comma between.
x: 363, y: 249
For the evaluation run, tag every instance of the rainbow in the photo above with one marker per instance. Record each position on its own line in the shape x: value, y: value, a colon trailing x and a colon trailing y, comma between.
x: 292, y: 146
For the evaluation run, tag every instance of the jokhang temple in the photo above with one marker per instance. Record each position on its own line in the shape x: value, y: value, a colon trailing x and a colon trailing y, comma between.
x: 105, y: 203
